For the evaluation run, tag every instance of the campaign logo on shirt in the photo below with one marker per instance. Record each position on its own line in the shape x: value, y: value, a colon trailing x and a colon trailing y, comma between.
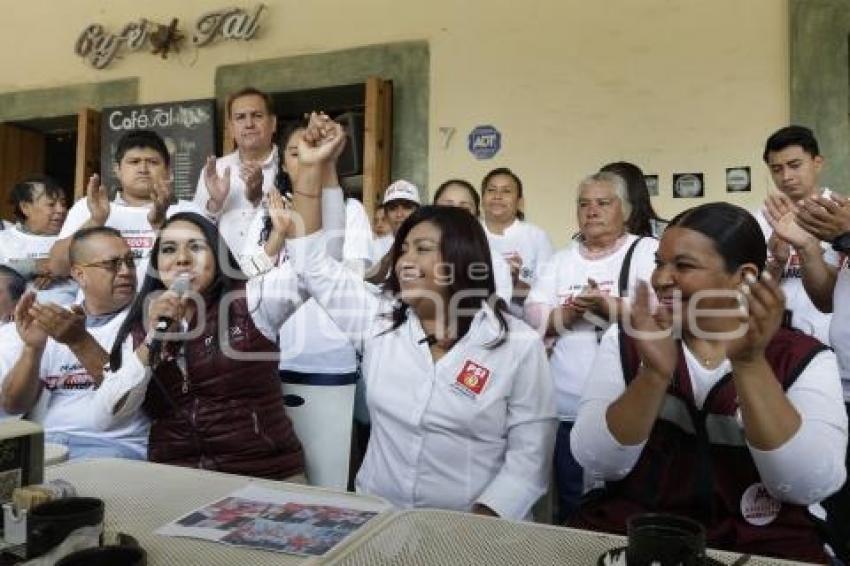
x: 70, y: 378
x: 471, y: 379
x: 793, y: 270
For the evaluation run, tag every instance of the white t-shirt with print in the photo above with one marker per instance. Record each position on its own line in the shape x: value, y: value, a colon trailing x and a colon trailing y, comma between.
x: 131, y: 221
x: 17, y: 245
x: 563, y: 277
x: 68, y: 390
x: 805, y: 316
x: 525, y: 239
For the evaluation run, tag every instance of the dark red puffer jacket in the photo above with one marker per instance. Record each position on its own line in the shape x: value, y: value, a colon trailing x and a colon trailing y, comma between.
x: 226, y: 414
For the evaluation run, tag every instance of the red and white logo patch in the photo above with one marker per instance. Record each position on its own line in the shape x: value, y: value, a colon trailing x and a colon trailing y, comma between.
x: 472, y: 377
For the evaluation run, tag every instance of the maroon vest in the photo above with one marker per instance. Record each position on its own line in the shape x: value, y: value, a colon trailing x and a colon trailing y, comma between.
x: 696, y: 464
x: 226, y: 414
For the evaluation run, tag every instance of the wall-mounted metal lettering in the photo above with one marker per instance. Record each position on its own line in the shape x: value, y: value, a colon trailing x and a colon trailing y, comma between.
x: 100, y: 48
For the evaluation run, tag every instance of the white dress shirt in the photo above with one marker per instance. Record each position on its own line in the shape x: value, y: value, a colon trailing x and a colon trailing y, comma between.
x: 237, y: 213
x: 804, y: 470
x: 477, y: 425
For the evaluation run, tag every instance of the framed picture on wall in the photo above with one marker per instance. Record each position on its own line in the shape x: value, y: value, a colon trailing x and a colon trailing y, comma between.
x: 738, y: 180
x: 688, y: 185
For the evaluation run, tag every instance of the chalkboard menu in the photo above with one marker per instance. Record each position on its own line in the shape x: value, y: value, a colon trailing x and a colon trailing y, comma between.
x: 188, y: 128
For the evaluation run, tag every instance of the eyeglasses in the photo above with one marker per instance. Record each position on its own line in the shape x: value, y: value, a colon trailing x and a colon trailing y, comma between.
x: 113, y: 264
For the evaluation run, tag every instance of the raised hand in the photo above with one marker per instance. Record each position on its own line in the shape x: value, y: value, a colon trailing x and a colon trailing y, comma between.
x: 218, y: 186
x: 321, y: 140
x: 279, y: 214
x: 161, y: 193
x: 97, y: 200
x: 761, y: 317
x: 781, y: 214
x: 31, y: 333
x: 652, y: 333
x: 63, y: 325
x: 825, y: 218
x: 252, y: 175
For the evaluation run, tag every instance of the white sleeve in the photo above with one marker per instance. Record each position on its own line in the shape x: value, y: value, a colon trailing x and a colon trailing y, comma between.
x: 77, y: 216
x: 333, y: 220
x: 810, y: 465
x: 543, y: 296
x: 531, y: 426
x: 358, y: 232
x: 122, y: 392
x: 502, y: 276
x: 345, y: 296
x: 273, y: 297
x: 201, y: 194
x: 591, y: 441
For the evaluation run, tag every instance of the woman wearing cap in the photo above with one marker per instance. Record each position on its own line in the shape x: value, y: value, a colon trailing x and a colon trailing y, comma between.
x: 523, y: 245
x: 458, y: 390
x: 401, y: 199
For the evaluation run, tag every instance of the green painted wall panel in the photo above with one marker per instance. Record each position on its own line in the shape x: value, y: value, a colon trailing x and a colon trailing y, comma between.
x: 66, y: 100
x: 820, y: 81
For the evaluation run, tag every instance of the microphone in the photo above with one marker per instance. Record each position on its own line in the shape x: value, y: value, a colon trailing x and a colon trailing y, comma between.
x: 163, y: 323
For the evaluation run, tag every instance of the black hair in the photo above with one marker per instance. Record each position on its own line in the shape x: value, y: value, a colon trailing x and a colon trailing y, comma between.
x: 24, y: 191
x: 504, y: 171
x: 476, y: 199
x: 224, y: 279
x: 282, y: 178
x: 142, y: 139
x: 789, y: 136
x: 84, y: 234
x: 16, y: 285
x: 463, y: 244
x: 250, y: 91
x: 735, y: 232
x: 639, y: 220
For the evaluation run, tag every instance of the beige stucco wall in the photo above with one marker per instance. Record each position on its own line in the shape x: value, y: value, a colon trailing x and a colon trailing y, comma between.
x: 675, y: 85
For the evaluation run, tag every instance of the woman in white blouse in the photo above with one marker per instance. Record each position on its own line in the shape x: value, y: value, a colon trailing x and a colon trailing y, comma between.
x: 738, y: 424
x: 459, y: 391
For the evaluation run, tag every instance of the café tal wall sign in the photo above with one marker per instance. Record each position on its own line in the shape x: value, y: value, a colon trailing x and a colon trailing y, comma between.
x: 100, y: 48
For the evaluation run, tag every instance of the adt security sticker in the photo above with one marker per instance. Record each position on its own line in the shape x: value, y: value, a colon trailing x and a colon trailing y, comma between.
x: 485, y: 142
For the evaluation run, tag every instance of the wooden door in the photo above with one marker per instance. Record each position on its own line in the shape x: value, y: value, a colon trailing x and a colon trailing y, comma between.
x: 21, y: 155
x: 378, y: 140
x: 88, y: 150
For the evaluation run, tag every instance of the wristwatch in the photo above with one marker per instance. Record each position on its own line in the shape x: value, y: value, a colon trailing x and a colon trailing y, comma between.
x: 842, y: 243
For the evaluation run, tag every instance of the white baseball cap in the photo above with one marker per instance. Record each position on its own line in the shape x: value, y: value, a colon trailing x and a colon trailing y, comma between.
x: 402, y: 190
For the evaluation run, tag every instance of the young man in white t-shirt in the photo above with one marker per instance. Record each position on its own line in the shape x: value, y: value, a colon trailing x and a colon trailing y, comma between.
x: 800, y: 260
x: 141, y: 205
x: 60, y: 352
x: 807, y: 220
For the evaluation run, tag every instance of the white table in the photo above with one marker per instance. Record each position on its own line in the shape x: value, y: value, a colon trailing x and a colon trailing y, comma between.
x: 447, y: 538
x: 140, y: 497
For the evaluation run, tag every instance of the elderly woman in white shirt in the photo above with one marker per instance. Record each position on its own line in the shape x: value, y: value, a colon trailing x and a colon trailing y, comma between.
x: 459, y: 391
x: 738, y: 424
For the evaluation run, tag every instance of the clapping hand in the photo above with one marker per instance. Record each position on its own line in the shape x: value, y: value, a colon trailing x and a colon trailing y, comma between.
x: 652, y: 333
x: 280, y: 214
x: 760, y: 317
x: 161, y: 193
x: 780, y: 213
x: 252, y: 175
x: 32, y: 334
x: 65, y: 325
x: 97, y: 200
x: 218, y: 186
x: 824, y: 217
